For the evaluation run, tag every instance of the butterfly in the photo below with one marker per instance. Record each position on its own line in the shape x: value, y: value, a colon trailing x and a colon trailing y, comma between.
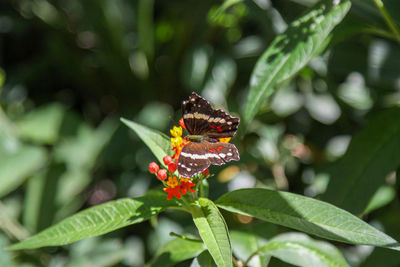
x: 205, y: 126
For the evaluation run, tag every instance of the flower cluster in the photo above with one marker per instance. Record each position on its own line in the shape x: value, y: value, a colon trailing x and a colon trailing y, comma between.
x: 175, y: 185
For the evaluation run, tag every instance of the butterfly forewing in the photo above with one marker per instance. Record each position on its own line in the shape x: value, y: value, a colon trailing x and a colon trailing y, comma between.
x: 196, y: 157
x: 201, y: 119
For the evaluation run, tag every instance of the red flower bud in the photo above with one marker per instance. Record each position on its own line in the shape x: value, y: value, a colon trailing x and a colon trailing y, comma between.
x: 172, y: 167
x: 182, y: 123
x: 167, y: 160
x: 153, y: 167
x: 162, y: 174
x: 206, y: 172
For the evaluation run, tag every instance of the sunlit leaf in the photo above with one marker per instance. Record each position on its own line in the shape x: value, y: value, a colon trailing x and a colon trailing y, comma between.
x: 177, y: 250
x: 158, y: 142
x: 16, y: 167
x: 99, y: 220
x: 383, y: 196
x: 203, y: 260
x: 292, y: 50
x: 213, y: 231
x: 301, y: 250
x: 305, y: 214
x: 372, y: 154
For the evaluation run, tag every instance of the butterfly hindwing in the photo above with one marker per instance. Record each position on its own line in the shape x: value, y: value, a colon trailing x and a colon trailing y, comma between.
x: 201, y: 119
x: 196, y: 157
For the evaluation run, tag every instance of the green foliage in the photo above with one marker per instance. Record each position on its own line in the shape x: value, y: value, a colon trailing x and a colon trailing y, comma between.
x: 304, y: 214
x: 371, y: 156
x: 99, y: 220
x: 289, y: 52
x: 158, y: 142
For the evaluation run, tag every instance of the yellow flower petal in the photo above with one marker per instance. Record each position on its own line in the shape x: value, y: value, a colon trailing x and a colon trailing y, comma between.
x: 176, y: 131
x: 176, y: 141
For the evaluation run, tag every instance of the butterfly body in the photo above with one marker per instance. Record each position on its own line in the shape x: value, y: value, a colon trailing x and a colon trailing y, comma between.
x: 206, y: 126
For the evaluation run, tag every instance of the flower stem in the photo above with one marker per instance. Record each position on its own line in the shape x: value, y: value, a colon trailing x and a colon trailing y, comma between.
x: 388, y: 19
x: 187, y: 204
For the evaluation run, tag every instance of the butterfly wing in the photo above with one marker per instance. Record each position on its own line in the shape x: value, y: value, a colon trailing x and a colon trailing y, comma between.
x: 196, y: 157
x: 202, y: 119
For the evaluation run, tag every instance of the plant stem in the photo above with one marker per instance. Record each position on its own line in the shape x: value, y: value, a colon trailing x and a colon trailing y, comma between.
x: 382, y: 33
x: 389, y: 21
x: 201, y: 189
x: 185, y: 237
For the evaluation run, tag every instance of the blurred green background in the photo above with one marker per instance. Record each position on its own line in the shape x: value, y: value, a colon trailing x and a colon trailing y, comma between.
x: 70, y: 69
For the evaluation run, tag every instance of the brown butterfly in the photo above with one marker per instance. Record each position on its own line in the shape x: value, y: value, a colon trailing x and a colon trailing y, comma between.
x: 205, y: 126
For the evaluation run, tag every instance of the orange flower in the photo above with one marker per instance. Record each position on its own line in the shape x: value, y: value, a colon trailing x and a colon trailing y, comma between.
x: 225, y: 140
x: 172, y: 182
x: 185, y: 185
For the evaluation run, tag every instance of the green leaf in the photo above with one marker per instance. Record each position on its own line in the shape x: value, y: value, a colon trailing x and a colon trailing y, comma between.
x: 158, y: 142
x: 383, y: 196
x: 99, y: 220
x: 16, y: 167
x: 372, y: 154
x: 292, y: 50
x: 213, y: 231
x: 42, y: 125
x: 177, y: 250
x: 305, y: 214
x: 301, y: 250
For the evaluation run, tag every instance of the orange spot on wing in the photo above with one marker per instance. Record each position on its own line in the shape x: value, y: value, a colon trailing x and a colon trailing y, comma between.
x: 219, y: 148
x: 225, y: 140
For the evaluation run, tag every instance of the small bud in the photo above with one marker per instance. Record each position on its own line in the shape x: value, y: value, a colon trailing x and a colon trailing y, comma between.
x: 153, y: 167
x: 206, y: 172
x: 182, y: 123
x: 172, y: 167
x: 167, y: 160
x: 162, y: 174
